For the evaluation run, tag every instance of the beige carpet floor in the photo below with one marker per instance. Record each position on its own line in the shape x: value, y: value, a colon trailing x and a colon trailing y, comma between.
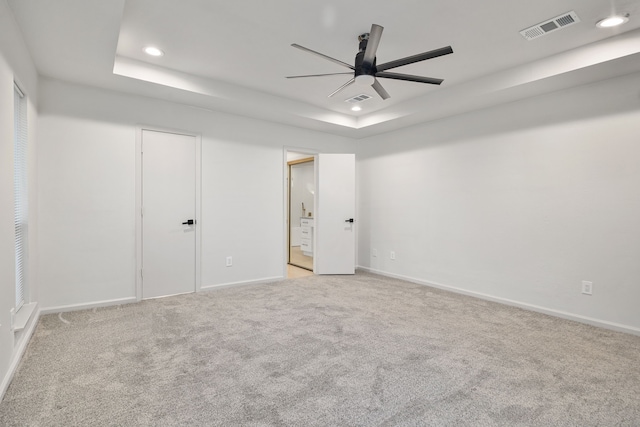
x: 359, y: 350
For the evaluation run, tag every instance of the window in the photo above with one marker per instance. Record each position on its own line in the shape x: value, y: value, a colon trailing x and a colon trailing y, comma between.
x: 20, y: 192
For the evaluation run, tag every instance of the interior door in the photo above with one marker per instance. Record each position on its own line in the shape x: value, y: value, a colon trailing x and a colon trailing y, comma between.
x: 168, y: 213
x: 334, y: 226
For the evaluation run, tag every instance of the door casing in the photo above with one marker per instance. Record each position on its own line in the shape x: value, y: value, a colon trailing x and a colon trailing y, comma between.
x: 290, y: 163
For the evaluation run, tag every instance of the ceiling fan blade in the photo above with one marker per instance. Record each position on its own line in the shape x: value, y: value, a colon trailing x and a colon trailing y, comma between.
x: 372, y: 45
x: 319, y: 75
x: 409, y: 78
x: 415, y: 58
x: 337, y: 61
x: 342, y: 87
x: 378, y: 88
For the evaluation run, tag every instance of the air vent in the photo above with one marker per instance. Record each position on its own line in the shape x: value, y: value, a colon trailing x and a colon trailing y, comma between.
x: 550, y: 25
x: 358, y: 98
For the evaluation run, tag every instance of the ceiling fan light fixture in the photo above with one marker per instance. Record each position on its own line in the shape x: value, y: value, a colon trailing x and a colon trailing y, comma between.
x: 613, y: 21
x: 153, y: 51
x: 365, y: 80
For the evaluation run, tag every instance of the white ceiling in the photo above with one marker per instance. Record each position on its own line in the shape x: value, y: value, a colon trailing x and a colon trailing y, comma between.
x: 234, y: 55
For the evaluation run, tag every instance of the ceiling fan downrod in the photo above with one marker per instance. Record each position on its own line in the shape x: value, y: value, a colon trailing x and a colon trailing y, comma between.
x: 364, y: 73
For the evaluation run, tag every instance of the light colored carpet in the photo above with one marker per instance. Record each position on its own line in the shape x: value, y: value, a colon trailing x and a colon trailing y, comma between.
x: 359, y: 350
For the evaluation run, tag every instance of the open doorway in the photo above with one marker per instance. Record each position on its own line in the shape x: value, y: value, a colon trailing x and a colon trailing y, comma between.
x: 300, y: 209
x: 301, y: 212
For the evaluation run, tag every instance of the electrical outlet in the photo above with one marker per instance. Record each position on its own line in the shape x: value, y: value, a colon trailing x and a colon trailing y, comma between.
x: 374, y: 253
x: 587, y: 287
x: 229, y: 261
x: 393, y: 255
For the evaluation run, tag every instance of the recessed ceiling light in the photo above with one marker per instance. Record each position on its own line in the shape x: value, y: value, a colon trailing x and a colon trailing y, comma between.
x: 356, y: 108
x: 153, y: 51
x: 612, y: 21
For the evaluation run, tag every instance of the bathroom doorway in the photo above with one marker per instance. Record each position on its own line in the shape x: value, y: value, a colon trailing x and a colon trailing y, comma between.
x: 301, y: 209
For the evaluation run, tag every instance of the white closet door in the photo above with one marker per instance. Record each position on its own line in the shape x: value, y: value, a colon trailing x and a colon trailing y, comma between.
x: 168, y: 201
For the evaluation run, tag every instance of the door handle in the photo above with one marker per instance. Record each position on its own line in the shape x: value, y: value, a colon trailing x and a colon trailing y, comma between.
x: 348, y: 220
x: 189, y: 222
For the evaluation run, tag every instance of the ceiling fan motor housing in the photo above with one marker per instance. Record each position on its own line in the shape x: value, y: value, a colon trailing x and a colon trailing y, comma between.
x: 359, y: 68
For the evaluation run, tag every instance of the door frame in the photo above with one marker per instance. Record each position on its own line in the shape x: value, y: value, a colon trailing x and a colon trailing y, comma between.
x: 138, y: 208
x: 285, y: 200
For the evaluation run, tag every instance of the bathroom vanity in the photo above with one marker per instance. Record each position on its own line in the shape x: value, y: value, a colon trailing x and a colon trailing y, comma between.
x: 306, y: 234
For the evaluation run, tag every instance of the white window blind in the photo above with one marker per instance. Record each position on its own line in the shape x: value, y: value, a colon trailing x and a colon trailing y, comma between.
x: 20, y: 192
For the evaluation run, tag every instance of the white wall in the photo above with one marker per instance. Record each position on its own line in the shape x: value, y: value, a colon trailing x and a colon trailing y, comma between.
x: 519, y: 202
x: 15, y: 64
x: 297, y: 156
x: 87, y: 191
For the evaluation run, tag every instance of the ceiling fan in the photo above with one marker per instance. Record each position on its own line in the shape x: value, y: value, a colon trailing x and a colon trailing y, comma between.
x: 366, y: 71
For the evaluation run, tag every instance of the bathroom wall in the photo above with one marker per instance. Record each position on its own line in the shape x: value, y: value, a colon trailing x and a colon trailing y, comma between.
x: 302, y: 191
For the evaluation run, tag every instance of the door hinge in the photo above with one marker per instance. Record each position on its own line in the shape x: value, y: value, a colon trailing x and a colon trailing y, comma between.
x: 141, y: 275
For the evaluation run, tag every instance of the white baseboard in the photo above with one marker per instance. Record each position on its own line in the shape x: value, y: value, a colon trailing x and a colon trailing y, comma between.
x: 18, y: 352
x: 551, y: 312
x: 243, y: 283
x: 85, y: 306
